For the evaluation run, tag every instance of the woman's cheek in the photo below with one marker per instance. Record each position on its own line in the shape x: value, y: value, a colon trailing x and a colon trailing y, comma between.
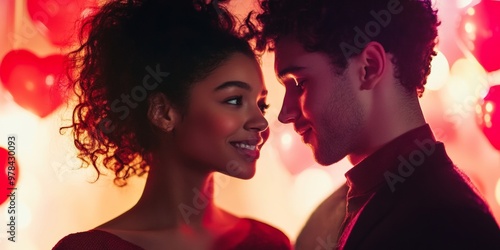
x: 223, y: 124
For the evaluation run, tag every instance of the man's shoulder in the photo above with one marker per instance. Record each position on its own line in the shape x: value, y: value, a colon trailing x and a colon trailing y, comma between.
x: 442, y: 205
x: 93, y: 239
x: 445, y: 224
x: 444, y: 186
x: 440, y: 187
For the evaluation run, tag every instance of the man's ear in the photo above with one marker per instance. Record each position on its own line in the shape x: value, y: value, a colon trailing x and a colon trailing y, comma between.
x: 373, y: 65
x: 161, y: 113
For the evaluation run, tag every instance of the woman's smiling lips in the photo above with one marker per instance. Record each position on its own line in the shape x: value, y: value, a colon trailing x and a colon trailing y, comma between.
x: 249, y: 149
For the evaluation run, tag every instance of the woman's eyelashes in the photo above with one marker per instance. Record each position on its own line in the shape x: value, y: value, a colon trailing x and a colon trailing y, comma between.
x: 263, y: 107
x: 238, y: 101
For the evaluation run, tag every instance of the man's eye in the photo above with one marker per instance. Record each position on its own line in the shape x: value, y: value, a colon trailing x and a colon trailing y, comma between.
x: 300, y: 85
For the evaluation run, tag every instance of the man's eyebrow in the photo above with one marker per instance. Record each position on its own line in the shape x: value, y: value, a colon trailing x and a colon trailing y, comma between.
x: 229, y: 84
x: 289, y: 70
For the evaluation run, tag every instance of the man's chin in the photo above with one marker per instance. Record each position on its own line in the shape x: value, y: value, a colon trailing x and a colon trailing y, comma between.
x: 327, y: 159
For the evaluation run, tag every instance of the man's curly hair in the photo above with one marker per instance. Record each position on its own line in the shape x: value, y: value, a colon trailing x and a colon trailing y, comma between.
x: 121, y: 44
x: 324, y: 25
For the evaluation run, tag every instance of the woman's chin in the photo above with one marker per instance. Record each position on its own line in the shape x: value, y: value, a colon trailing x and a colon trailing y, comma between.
x: 241, y: 170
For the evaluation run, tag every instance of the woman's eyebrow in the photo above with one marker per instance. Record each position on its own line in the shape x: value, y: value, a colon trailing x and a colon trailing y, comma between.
x: 229, y: 84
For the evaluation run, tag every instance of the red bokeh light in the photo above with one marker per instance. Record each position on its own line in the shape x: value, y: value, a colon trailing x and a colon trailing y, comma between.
x: 488, y: 115
x: 479, y: 31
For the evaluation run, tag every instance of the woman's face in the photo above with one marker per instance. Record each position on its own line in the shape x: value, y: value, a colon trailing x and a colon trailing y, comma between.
x: 224, y: 127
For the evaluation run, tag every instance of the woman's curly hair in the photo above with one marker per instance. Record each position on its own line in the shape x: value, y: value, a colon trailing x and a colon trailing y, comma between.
x: 130, y: 50
x: 324, y: 25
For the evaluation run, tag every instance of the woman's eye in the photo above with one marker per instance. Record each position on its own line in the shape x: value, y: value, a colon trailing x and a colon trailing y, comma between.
x: 238, y: 101
x: 234, y: 100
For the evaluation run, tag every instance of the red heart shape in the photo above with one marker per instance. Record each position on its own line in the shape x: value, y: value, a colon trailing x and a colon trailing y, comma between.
x: 488, y: 116
x: 479, y: 31
x: 33, y: 82
x: 56, y: 19
x: 5, y: 164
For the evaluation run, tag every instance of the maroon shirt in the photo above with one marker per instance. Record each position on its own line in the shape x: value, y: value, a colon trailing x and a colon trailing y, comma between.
x: 260, y: 236
x: 409, y: 195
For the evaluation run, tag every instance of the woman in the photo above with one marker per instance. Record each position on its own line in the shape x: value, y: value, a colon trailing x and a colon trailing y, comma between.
x: 168, y: 88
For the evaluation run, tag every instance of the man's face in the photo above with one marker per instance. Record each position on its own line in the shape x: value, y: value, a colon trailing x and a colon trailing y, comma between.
x: 324, y: 107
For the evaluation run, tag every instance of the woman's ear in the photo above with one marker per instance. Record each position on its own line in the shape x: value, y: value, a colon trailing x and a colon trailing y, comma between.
x: 161, y: 112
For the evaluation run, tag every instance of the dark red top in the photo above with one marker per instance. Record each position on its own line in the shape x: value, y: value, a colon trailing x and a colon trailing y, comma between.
x: 260, y: 236
x: 409, y: 195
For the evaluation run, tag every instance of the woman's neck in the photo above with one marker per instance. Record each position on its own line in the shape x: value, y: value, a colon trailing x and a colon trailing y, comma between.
x: 178, y: 195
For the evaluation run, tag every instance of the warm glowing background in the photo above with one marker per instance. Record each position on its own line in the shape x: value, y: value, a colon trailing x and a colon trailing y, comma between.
x: 55, y: 199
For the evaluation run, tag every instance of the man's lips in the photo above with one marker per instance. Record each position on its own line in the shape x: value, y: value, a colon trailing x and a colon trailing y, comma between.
x: 304, y: 133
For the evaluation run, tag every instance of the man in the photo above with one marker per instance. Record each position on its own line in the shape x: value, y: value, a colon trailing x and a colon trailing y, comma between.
x: 353, y: 72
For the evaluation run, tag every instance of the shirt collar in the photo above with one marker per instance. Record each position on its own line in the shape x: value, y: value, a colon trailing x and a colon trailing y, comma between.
x: 367, y: 175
